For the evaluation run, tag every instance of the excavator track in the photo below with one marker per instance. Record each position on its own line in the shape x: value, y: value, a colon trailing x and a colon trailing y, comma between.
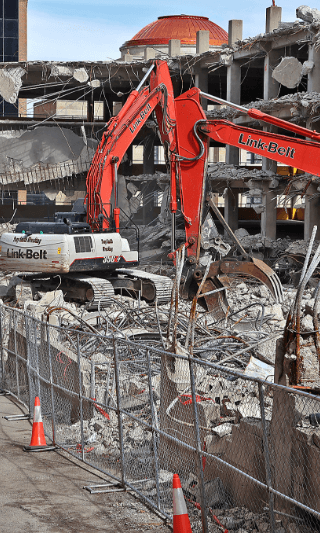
x: 102, y: 290
x: 162, y: 284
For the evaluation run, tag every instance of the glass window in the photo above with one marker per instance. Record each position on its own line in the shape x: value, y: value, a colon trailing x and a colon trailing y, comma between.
x: 1, y: 27
x: 11, y: 49
x: 11, y: 10
x: 10, y: 28
x: 1, y: 8
x: 10, y: 109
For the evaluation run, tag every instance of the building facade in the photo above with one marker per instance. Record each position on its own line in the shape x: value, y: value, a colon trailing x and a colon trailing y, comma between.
x: 13, y: 41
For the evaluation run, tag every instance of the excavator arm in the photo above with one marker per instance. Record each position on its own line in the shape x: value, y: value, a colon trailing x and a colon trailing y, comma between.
x: 193, y: 134
x: 102, y: 202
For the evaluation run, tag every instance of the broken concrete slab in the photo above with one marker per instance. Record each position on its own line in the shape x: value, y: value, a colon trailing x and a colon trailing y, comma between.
x: 308, y: 14
x: 94, y: 83
x: 288, y: 72
x: 81, y: 75
x: 61, y: 70
x: 10, y: 83
x: 222, y: 430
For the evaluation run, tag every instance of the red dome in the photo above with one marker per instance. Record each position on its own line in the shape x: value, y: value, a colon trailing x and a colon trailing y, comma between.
x: 182, y: 27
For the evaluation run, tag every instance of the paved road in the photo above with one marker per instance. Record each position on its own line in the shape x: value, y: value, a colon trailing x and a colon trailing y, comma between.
x: 43, y: 492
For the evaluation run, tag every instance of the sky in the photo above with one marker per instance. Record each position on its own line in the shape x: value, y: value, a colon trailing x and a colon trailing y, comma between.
x: 71, y: 30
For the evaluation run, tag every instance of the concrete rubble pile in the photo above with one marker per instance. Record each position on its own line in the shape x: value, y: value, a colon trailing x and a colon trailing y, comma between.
x: 244, y: 342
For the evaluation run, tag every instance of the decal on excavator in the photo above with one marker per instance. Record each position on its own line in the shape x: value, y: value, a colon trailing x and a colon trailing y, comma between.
x: 26, y: 254
x: 272, y: 147
x: 140, y: 118
x: 25, y: 238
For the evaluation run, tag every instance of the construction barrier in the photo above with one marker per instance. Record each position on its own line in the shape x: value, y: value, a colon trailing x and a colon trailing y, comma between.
x: 246, y: 451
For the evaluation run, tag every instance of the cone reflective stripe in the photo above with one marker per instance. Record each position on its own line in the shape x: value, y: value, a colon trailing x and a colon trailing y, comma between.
x: 37, y: 437
x: 181, y: 522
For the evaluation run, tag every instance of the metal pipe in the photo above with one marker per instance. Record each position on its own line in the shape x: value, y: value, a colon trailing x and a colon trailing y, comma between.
x: 224, y: 102
x: 173, y: 232
x: 145, y: 77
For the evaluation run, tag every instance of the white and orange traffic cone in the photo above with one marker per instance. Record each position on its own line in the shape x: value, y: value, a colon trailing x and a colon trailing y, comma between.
x: 181, y: 522
x: 38, y: 439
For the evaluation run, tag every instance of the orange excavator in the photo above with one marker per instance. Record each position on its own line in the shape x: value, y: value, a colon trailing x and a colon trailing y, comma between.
x: 74, y: 249
x: 194, y: 132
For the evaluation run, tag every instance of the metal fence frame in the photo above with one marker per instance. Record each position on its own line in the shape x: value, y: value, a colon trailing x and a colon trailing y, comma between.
x: 33, y: 376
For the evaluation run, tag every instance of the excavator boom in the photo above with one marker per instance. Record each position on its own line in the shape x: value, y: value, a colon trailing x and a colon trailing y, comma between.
x: 120, y: 133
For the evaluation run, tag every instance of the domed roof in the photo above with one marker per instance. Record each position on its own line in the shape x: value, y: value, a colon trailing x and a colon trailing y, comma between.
x: 182, y: 27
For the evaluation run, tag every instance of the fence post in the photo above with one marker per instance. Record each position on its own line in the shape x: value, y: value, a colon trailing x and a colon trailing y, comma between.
x: 154, y: 431
x: 1, y: 348
x: 31, y: 399
x: 80, y: 396
x: 92, y: 380
x: 16, y: 355
x: 119, y: 414
x: 35, y: 344
x: 267, y: 458
x: 199, y: 450
x: 51, y: 387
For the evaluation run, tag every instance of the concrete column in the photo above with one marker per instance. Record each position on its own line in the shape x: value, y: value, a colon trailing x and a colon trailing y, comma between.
x: 234, y: 31
x: 174, y: 47
x: 231, y: 208
x: 90, y: 107
x: 311, y: 214
x: 148, y: 155
x: 202, y: 41
x: 269, y: 215
x: 128, y: 58
x: 269, y: 164
x: 216, y: 154
x: 233, y: 95
x: 270, y: 85
x: 149, y: 53
x: 201, y: 74
x: 201, y: 81
x: 314, y: 75
x: 273, y: 18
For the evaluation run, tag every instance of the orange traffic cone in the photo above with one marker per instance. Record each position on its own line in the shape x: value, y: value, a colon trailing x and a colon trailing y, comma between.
x: 38, y: 440
x: 181, y: 522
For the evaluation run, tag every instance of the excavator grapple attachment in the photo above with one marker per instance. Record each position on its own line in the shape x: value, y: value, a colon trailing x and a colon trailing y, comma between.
x: 216, y: 302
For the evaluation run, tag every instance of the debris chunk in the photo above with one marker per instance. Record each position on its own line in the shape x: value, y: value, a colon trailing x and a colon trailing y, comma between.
x: 288, y: 72
x: 10, y: 83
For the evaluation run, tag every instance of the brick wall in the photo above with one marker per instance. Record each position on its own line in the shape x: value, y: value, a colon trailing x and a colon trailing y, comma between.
x: 23, y: 43
x: 23, y: 29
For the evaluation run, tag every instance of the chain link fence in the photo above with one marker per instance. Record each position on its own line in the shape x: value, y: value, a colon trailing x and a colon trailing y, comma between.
x: 247, y: 451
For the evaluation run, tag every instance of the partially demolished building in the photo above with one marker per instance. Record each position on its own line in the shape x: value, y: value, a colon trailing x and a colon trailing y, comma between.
x: 276, y: 71
x: 141, y: 390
